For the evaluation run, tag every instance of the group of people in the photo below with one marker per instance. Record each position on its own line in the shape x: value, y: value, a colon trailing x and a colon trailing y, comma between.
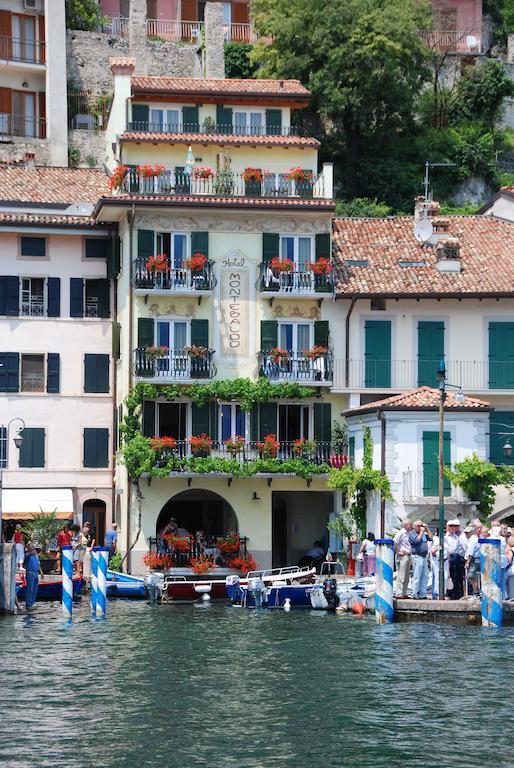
x: 201, y: 544
x: 419, y: 550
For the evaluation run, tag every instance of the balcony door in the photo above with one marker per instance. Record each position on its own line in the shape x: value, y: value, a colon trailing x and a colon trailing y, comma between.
x: 294, y: 422
x: 174, y: 246
x: 174, y: 335
x: 296, y: 338
x: 377, y: 341
x: 23, y: 37
x: 233, y: 421
x: 24, y: 113
x: 172, y: 420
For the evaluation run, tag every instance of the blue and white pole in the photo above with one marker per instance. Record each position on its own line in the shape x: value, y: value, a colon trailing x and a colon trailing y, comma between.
x: 67, y: 581
x: 101, y: 597
x: 94, y: 579
x: 384, y: 564
x: 490, y: 572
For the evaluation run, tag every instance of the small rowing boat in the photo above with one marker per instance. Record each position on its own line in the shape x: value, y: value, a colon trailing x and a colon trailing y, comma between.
x: 126, y: 586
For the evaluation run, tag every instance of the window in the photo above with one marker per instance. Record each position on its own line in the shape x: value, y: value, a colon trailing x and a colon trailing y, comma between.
x: 33, y: 296
x: 172, y: 420
x: 294, y: 422
x: 33, y: 247
x: 172, y: 334
x: 97, y: 247
x: 248, y: 123
x: 89, y: 298
x: 96, y: 447
x: 32, y: 373
x: 232, y: 421
x: 3, y: 447
x: 296, y: 337
x: 32, y: 451
x: 167, y: 120
x: 299, y: 250
x: 175, y: 246
x: 96, y: 373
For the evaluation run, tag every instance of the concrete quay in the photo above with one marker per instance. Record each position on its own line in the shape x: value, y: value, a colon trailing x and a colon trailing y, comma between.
x: 466, y: 612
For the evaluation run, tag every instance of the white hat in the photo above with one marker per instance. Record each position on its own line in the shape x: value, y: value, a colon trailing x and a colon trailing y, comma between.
x: 456, y: 521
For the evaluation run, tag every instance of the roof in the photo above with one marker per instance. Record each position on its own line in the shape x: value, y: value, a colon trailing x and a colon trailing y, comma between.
x: 230, y: 87
x: 58, y: 186
x: 421, y: 399
x: 277, y: 203
x: 212, y: 138
x: 47, y: 220
x: 487, y: 259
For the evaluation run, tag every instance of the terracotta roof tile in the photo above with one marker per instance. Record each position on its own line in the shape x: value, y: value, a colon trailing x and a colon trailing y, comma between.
x: 422, y: 398
x: 232, y: 202
x: 210, y: 138
x: 47, y: 220
x: 487, y: 258
x: 51, y: 185
x: 234, y: 87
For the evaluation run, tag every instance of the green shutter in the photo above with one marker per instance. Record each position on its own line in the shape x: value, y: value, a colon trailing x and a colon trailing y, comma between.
x: 269, y: 334
x: 200, y: 333
x: 96, y: 373
x: 254, y: 422
x: 190, y: 120
x: 103, y: 290
x: 377, y: 353
x: 499, y: 434
x: 270, y: 246
x: 201, y: 419
x: 113, y: 257
x: 96, y: 447
x: 32, y: 451
x: 501, y: 355
x: 145, y: 244
x: 323, y: 422
x: 52, y: 372
x: 273, y: 122
x: 351, y: 450
x: 267, y: 420
x: 116, y: 341
x: 431, y: 462
x: 145, y: 333
x: 224, y: 119
x: 200, y: 243
x: 9, y: 371
x: 430, y: 351
x: 321, y: 333
x: 148, y: 420
x: 214, y: 418
x: 140, y: 116
x: 323, y: 246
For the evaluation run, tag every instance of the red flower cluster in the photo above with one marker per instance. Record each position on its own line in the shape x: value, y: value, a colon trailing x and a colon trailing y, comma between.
x: 252, y: 174
x: 180, y: 543
x: 321, y: 266
x: 157, y: 562
x: 200, y: 444
x: 229, y: 544
x: 279, y: 265
x: 269, y: 447
x: 203, y: 564
x: 235, y: 444
x: 315, y: 352
x: 157, y: 263
x: 196, y: 263
x: 195, y: 351
x: 244, y: 564
x: 298, y: 174
x: 202, y: 172
x: 279, y: 355
x: 162, y: 443
x: 116, y: 180
x: 150, y: 171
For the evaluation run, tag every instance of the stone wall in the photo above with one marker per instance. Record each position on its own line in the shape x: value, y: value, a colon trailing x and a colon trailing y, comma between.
x: 88, y: 55
x: 214, y: 41
x: 15, y: 148
x: 88, y: 143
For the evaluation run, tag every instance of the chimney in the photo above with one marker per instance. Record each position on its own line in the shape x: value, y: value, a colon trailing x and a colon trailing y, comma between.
x: 420, y: 204
x: 448, y: 255
x: 29, y: 159
x: 441, y: 226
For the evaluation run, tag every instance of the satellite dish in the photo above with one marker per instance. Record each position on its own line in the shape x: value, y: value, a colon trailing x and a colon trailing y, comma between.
x: 423, y: 230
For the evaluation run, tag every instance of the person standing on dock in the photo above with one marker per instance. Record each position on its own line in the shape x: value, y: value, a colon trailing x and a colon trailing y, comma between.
x: 473, y: 557
x: 111, y: 540
x: 19, y: 545
x: 403, y: 549
x: 419, y: 540
x: 457, y: 545
x: 32, y: 573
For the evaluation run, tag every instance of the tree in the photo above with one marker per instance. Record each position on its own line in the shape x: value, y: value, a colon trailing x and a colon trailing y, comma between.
x: 477, y: 478
x: 83, y: 14
x: 363, y: 207
x: 238, y: 63
x: 480, y: 93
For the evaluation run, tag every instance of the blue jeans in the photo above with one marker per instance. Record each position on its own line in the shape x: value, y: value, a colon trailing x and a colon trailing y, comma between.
x: 32, y: 578
x: 419, y: 576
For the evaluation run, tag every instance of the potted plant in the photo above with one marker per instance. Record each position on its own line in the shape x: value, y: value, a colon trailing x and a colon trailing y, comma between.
x: 157, y: 562
x: 149, y: 171
x: 178, y: 543
x: 229, y: 544
x: 244, y: 564
x: 42, y: 530
x: 196, y: 351
x: 304, y: 448
x: 209, y: 125
x: 321, y: 267
x: 302, y: 180
x: 279, y: 356
x: 235, y: 445
x: 200, y: 445
x: 202, y: 565
x: 316, y: 352
x: 117, y: 177
x: 155, y: 353
x: 202, y: 172
x: 224, y: 183
x: 252, y: 178
x: 157, y: 264
x: 196, y: 263
x: 281, y: 265
x: 162, y: 444
x: 269, y: 447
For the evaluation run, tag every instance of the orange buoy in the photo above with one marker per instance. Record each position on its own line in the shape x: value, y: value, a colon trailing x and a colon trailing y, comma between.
x: 359, y: 609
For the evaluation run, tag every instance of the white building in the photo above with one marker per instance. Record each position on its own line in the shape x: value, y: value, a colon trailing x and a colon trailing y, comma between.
x: 56, y: 372
x: 33, y: 102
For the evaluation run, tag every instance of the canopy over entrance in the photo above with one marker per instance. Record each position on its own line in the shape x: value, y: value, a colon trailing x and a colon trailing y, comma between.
x: 24, y: 503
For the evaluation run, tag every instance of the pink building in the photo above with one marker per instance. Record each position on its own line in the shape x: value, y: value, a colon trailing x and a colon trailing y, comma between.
x: 456, y: 26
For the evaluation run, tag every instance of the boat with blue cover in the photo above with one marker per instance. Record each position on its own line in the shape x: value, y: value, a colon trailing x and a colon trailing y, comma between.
x: 124, y: 585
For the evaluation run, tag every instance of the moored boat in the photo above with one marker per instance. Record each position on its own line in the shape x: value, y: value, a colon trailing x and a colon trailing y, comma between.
x: 50, y: 588
x: 126, y: 586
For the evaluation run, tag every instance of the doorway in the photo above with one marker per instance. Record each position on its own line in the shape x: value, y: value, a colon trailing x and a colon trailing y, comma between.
x: 198, y: 509
x: 94, y: 512
x: 279, y: 533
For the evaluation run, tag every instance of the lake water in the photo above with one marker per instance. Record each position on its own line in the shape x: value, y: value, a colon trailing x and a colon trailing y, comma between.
x: 180, y: 687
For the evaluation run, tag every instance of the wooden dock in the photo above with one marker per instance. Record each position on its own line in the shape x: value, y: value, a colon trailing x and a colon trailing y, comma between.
x: 464, y: 612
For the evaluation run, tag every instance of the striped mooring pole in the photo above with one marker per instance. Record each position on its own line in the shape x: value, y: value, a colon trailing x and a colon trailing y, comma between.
x: 384, y: 564
x: 490, y: 573
x: 67, y: 581
x: 94, y: 579
x: 101, y: 596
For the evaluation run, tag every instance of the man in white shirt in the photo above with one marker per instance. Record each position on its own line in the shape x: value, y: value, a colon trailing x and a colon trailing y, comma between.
x: 473, y: 555
x: 403, y: 549
x: 457, y: 545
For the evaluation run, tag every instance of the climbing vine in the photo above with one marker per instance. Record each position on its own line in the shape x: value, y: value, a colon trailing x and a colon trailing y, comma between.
x: 477, y: 478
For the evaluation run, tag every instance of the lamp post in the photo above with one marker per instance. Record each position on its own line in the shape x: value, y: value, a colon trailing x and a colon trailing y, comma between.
x: 18, y: 441
x: 441, y: 377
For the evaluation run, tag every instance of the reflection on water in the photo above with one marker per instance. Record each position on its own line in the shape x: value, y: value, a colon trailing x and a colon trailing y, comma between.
x: 177, y: 687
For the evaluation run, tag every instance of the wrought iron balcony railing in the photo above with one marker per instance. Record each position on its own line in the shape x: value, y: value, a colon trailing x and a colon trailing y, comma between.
x: 21, y: 125
x: 21, y: 49
x: 297, y: 367
x: 180, y: 280
x: 214, y: 129
x: 297, y: 282
x: 208, y: 545
x: 173, y: 364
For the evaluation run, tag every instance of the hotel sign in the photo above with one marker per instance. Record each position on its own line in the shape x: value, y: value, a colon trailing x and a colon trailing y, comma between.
x: 234, y: 307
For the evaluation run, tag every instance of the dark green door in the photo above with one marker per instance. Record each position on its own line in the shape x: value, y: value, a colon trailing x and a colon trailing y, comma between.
x: 431, y: 462
x: 430, y: 351
x: 501, y: 355
x: 377, y: 354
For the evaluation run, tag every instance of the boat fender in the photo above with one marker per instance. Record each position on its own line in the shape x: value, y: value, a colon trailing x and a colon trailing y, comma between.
x: 287, y: 604
x: 358, y: 609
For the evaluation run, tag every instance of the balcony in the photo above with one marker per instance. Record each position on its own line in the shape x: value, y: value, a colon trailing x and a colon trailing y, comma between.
x: 474, y: 376
x: 22, y: 50
x: 422, y: 487
x: 165, y: 366
x: 228, y: 184
x: 175, y: 29
x: 213, y: 129
x: 182, y: 559
x: 295, y: 284
x: 22, y: 126
x: 33, y: 306
x: 317, y: 372
x: 182, y: 281
x: 116, y: 26
x: 451, y: 40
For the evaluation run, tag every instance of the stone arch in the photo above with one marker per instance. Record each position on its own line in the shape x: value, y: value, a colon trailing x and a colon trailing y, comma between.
x: 199, y: 508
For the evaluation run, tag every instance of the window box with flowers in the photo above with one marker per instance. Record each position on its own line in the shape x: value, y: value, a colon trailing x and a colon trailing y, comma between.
x: 202, y: 172
x: 117, y: 178
x: 149, y: 171
x: 156, y: 353
x: 303, y: 181
x: 252, y: 178
x: 229, y: 544
x: 279, y: 265
x: 315, y: 353
x: 321, y: 269
x: 157, y: 264
x: 200, y: 445
x: 305, y: 449
x: 235, y: 445
x: 279, y: 356
x: 269, y: 447
x: 196, y: 263
x: 164, y: 448
x: 178, y: 543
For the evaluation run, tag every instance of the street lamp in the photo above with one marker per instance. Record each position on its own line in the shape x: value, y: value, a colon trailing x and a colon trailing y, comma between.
x: 507, y: 450
x: 443, y: 384
x: 18, y: 442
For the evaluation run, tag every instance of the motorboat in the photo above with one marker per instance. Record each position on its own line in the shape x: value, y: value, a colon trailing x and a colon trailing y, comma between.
x: 49, y: 588
x: 126, y: 586
x: 349, y: 589
x: 273, y: 588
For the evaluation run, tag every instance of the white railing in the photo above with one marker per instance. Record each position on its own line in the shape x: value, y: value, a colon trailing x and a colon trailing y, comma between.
x: 451, y: 40
x: 33, y: 307
x: 91, y: 308
x: 117, y: 26
x: 418, y: 484
x: 240, y: 33
x: 174, y: 29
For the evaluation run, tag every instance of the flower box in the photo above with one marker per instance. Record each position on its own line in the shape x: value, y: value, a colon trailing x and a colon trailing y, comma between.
x: 321, y: 267
x: 281, y: 265
x: 157, y: 263
x: 269, y: 447
x: 200, y: 445
x: 235, y: 445
x: 229, y: 544
x: 279, y: 356
x: 316, y: 352
x: 252, y: 175
x: 202, y: 172
x: 196, y: 352
x: 178, y: 543
x: 155, y: 353
x: 300, y: 176
x: 304, y: 448
x: 117, y: 177
x: 196, y: 263
x: 160, y: 444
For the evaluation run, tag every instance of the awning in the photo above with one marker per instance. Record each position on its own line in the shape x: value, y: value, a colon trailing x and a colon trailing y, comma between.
x: 24, y: 503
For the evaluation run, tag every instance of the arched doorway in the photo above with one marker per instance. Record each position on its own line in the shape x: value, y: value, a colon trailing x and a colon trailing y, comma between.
x: 195, y: 509
x: 93, y: 511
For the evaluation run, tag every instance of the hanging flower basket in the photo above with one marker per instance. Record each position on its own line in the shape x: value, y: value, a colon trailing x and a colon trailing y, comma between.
x: 148, y: 171
x: 202, y: 172
x: 196, y: 352
x: 178, y: 543
x: 252, y: 175
x: 281, y: 265
x: 200, y: 445
x: 321, y: 267
x: 157, y: 562
x: 279, y: 356
x: 117, y: 177
x: 155, y: 353
x: 196, y: 263
x: 299, y: 175
x: 235, y: 444
x: 157, y: 263
x: 316, y: 352
x: 269, y: 447
x: 202, y: 565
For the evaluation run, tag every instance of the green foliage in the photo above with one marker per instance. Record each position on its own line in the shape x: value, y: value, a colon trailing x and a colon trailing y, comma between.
x: 116, y: 561
x: 363, y: 207
x: 238, y: 63
x: 477, y: 478
x: 42, y: 529
x: 480, y: 93
x: 73, y: 157
x: 84, y: 14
